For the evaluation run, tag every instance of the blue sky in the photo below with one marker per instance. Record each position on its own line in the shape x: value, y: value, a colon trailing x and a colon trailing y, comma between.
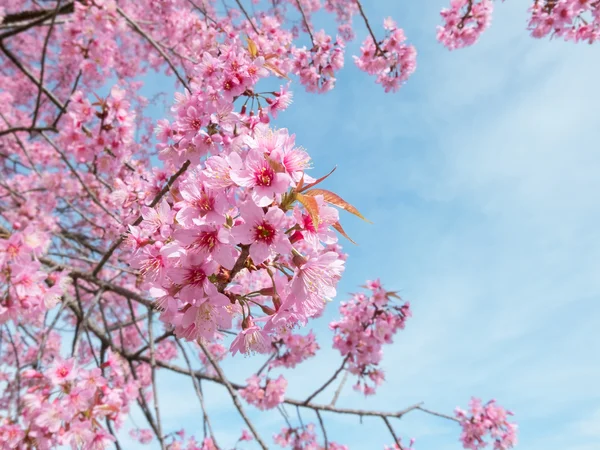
x: 481, y: 178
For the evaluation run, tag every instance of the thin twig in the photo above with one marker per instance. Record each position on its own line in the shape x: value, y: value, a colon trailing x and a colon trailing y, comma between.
x: 198, y: 391
x: 152, y: 42
x: 392, y: 432
x: 121, y: 238
x: 323, y: 429
x: 312, y: 39
x: 31, y: 130
x: 247, y: 16
x: 233, y: 395
x: 339, y: 389
x: 328, y: 382
x: 364, y: 16
x: 153, y: 376
x: 43, y: 64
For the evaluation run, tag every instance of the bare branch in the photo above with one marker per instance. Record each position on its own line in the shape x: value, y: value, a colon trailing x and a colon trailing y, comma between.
x: 161, y: 438
x: 233, y: 395
x: 328, y: 382
x: 154, y: 202
x: 152, y: 42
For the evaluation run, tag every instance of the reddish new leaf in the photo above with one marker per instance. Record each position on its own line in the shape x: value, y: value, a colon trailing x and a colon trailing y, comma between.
x: 338, y: 226
x: 336, y: 200
x: 311, y: 206
x: 308, y: 186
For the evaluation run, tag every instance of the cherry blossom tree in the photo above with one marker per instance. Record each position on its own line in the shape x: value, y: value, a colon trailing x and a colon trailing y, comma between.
x: 129, y: 244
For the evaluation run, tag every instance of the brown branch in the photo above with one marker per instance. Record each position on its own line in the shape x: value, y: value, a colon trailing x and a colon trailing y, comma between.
x: 461, y: 24
x: 312, y: 39
x: 392, y: 432
x: 198, y: 391
x: 328, y: 382
x: 28, y: 129
x: 31, y: 77
x: 76, y: 174
x: 161, y: 438
x: 339, y: 389
x: 43, y: 64
x: 437, y: 414
x: 233, y: 387
x: 323, y: 429
x: 247, y: 16
x: 233, y: 395
x: 18, y: 372
x: 364, y: 16
x: 152, y: 42
x: 154, y: 202
x: 239, y: 265
x: 38, y: 18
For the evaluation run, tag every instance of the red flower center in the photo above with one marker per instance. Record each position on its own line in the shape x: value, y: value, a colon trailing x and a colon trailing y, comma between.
x: 205, y: 203
x: 196, y: 124
x: 208, y: 240
x: 195, y: 276
x: 265, y: 232
x: 264, y: 177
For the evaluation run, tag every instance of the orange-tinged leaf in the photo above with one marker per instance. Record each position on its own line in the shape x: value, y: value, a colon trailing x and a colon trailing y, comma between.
x: 252, y: 48
x: 308, y: 186
x: 393, y: 294
x: 336, y: 200
x: 311, y: 206
x: 337, y: 226
x: 274, y: 69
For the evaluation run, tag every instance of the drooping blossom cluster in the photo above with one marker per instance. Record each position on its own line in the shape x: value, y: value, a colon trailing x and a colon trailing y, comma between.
x: 464, y: 22
x: 189, y: 266
x: 244, y: 207
x: 391, y: 60
x: 344, y: 10
x: 483, y: 420
x: 264, y: 397
x: 317, y: 66
x: 294, y: 349
x: 367, y: 323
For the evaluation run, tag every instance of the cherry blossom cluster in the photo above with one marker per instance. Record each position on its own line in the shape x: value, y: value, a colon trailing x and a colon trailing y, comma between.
x: 66, y: 404
x: 367, y: 323
x: 28, y: 290
x: 264, y: 397
x: 294, y: 349
x: 464, y: 22
x: 245, y: 208
x: 189, y: 273
x: 317, y: 66
x: 573, y: 20
x: 482, y: 420
x: 391, y: 60
x: 344, y: 10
